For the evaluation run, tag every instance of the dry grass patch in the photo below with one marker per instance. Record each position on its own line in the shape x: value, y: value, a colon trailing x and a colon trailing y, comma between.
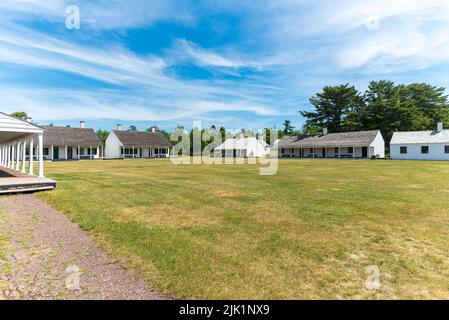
x: 270, y: 212
x: 168, y: 216
x: 222, y: 193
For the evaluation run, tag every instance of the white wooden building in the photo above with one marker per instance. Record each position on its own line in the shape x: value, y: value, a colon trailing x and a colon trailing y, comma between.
x: 67, y: 143
x: 357, y: 145
x: 122, y: 144
x: 242, y: 148
x: 420, y: 145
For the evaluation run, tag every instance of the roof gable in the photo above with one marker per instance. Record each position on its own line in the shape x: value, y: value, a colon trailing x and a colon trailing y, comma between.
x: 12, y: 124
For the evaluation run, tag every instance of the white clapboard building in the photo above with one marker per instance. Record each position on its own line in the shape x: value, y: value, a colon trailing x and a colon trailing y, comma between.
x: 420, y: 145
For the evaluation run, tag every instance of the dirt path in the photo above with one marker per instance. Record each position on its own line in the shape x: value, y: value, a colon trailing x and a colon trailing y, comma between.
x: 43, y: 254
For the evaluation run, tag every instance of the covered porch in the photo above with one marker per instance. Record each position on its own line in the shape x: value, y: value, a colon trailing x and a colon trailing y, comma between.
x: 17, y: 168
x: 134, y: 152
x: 340, y: 152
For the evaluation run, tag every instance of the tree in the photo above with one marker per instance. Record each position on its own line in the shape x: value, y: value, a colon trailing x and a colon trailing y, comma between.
x: 19, y: 114
x: 102, y: 135
x: 153, y: 128
x: 412, y: 107
x: 288, y: 128
x: 336, y: 108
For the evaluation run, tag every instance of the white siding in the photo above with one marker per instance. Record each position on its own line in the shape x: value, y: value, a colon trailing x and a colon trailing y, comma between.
x: 379, y: 147
x: 436, y: 151
x: 112, y: 149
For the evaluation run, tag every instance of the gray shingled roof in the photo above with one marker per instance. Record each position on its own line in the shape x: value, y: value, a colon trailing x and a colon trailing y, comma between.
x: 420, y: 137
x: 346, y: 139
x: 68, y: 136
x: 142, y: 139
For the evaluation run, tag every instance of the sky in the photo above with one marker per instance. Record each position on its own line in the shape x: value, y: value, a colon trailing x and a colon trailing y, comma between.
x: 237, y: 64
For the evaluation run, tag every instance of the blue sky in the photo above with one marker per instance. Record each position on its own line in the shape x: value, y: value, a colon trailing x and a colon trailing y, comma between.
x: 240, y: 64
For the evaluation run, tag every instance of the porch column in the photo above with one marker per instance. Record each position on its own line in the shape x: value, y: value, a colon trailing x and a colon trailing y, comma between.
x: 78, y: 152
x: 313, y: 153
x: 30, y: 167
x: 13, y: 155
x: 1, y: 155
x: 133, y: 152
x: 65, y: 152
x: 353, y: 152
x: 24, y: 155
x: 52, y: 153
x: 91, y: 155
x: 339, y: 152
x: 41, y: 155
x: 18, y: 156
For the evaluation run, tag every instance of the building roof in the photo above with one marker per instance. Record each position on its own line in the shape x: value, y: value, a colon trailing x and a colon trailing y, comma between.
x: 142, y: 139
x: 241, y: 144
x: 420, y: 137
x: 11, y: 127
x: 345, y: 139
x: 68, y: 136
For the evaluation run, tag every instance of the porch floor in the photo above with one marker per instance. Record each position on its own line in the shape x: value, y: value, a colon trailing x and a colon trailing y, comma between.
x: 12, y: 181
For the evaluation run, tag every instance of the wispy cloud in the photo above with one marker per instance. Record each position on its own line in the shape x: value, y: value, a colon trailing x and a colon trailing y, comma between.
x: 263, y: 63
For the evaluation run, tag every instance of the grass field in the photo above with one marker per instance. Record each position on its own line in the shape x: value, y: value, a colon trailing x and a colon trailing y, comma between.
x: 308, y: 232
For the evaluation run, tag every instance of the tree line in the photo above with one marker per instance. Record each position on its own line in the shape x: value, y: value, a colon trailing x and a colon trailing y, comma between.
x: 385, y: 105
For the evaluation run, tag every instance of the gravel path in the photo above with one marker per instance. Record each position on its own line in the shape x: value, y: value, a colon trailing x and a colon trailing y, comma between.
x: 43, y: 255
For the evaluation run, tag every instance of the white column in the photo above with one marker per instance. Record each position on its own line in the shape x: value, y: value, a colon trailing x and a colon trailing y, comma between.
x: 2, y: 152
x: 24, y: 155
x: 339, y: 152
x: 11, y: 156
x: 41, y: 155
x: 91, y: 155
x: 78, y: 152
x: 133, y: 152
x: 13, y: 151
x: 30, y: 169
x: 353, y: 152
x: 18, y: 156
x: 65, y: 152
x: 52, y: 153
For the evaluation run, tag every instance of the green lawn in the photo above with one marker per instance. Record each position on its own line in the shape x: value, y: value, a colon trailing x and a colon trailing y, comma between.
x: 308, y: 232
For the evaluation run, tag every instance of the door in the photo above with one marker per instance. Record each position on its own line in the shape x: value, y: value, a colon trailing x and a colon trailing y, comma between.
x: 324, y: 152
x: 69, y: 153
x: 55, y: 152
x: 365, y: 152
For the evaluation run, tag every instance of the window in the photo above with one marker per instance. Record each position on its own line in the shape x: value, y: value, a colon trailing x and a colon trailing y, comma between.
x: 425, y: 149
x: 446, y: 149
x: 282, y: 150
x: 403, y: 150
x: 350, y: 150
x: 46, y: 152
x: 81, y: 151
x: 94, y: 151
x: 336, y: 150
x: 293, y: 151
